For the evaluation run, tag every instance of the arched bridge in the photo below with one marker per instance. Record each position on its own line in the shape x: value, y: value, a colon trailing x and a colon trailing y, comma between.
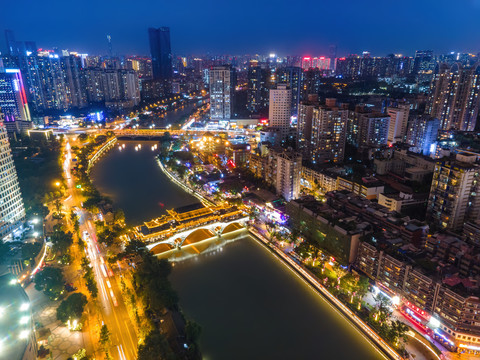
x: 178, y: 239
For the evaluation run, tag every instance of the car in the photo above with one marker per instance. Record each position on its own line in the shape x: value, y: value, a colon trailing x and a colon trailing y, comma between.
x: 86, y: 235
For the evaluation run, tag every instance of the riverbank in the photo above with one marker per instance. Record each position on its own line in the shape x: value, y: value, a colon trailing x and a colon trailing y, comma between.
x: 341, y: 309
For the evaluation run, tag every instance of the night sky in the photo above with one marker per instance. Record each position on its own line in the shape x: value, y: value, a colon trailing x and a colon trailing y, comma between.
x: 248, y: 26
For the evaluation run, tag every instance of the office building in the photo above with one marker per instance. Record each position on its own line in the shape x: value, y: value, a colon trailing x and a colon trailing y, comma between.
x: 329, y: 127
x: 397, y: 128
x: 422, y: 134
x: 289, y: 168
x: 12, y: 211
x: 280, y: 108
x: 292, y: 76
x: 453, y: 199
x: 161, y: 53
x: 222, y: 80
x: 13, y: 101
x: 454, y: 98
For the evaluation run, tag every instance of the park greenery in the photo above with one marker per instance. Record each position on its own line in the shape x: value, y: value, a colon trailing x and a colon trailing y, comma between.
x: 50, y: 280
x: 153, y: 289
x: 71, y: 308
x: 89, y: 278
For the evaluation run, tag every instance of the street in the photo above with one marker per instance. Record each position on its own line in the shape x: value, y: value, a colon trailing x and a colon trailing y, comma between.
x: 112, y: 309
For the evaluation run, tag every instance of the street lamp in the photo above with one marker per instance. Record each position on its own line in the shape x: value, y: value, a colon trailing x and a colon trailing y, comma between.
x: 57, y: 184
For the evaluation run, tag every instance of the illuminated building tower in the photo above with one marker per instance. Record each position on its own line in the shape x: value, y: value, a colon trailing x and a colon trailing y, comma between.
x: 12, y: 212
x: 329, y: 127
x: 280, y: 108
x: 257, y: 93
x: 453, y: 199
x: 13, y: 101
x: 222, y: 81
x: 289, y: 166
x: 293, y: 77
x: 455, y: 96
x: 397, y: 129
x: 306, y: 62
x: 161, y: 55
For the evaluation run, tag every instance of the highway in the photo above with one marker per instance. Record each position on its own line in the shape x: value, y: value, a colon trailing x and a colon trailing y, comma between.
x: 113, y: 311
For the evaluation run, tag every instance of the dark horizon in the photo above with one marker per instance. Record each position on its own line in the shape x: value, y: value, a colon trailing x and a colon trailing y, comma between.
x: 265, y: 27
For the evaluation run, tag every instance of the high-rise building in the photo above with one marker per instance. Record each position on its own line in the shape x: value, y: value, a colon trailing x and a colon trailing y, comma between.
x: 455, y: 96
x: 304, y: 125
x: 12, y: 211
x: 329, y: 127
x: 289, y: 168
x: 280, y: 108
x: 72, y: 68
x: 293, y: 77
x: 422, y: 134
x: 222, y: 87
x: 161, y: 52
x: 453, y: 199
x: 13, y: 101
x: 397, y: 129
x: 257, y: 92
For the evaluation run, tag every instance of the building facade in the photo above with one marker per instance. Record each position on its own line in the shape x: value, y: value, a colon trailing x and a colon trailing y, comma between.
x: 222, y: 87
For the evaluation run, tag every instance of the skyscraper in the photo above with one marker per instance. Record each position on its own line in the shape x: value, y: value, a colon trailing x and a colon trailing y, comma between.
x: 13, y: 100
x: 455, y: 96
x: 293, y: 77
x: 161, y: 53
x: 257, y: 93
x: 280, y: 108
x: 12, y: 211
x: 222, y: 86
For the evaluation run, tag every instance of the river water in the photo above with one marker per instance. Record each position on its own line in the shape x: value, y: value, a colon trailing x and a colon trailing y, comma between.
x: 249, y: 305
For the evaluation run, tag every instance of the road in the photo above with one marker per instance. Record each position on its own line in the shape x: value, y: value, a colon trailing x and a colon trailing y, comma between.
x: 113, y: 311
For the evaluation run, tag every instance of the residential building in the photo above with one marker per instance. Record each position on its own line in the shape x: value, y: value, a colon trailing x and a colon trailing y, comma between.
x: 422, y: 134
x: 397, y: 128
x: 329, y: 126
x: 453, y: 198
x: 289, y: 165
x: 279, y: 108
x: 304, y: 125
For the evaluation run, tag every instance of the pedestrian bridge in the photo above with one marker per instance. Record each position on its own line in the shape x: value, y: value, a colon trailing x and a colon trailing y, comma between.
x: 178, y: 239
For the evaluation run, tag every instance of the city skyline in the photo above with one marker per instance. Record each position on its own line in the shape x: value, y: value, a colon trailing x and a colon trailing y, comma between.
x: 352, y: 27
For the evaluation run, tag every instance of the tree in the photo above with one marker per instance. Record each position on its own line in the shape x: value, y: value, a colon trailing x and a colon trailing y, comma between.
x: 61, y: 240
x: 104, y: 337
x: 72, y: 307
x: 50, y: 281
x: 155, y: 347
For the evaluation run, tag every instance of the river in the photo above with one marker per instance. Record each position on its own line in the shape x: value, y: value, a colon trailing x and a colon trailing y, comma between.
x: 249, y: 305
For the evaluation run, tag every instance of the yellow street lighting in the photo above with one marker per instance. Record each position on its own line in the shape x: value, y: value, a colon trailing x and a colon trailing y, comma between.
x: 57, y: 184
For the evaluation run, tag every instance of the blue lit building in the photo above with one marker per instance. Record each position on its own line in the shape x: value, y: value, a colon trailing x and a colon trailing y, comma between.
x: 161, y: 53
